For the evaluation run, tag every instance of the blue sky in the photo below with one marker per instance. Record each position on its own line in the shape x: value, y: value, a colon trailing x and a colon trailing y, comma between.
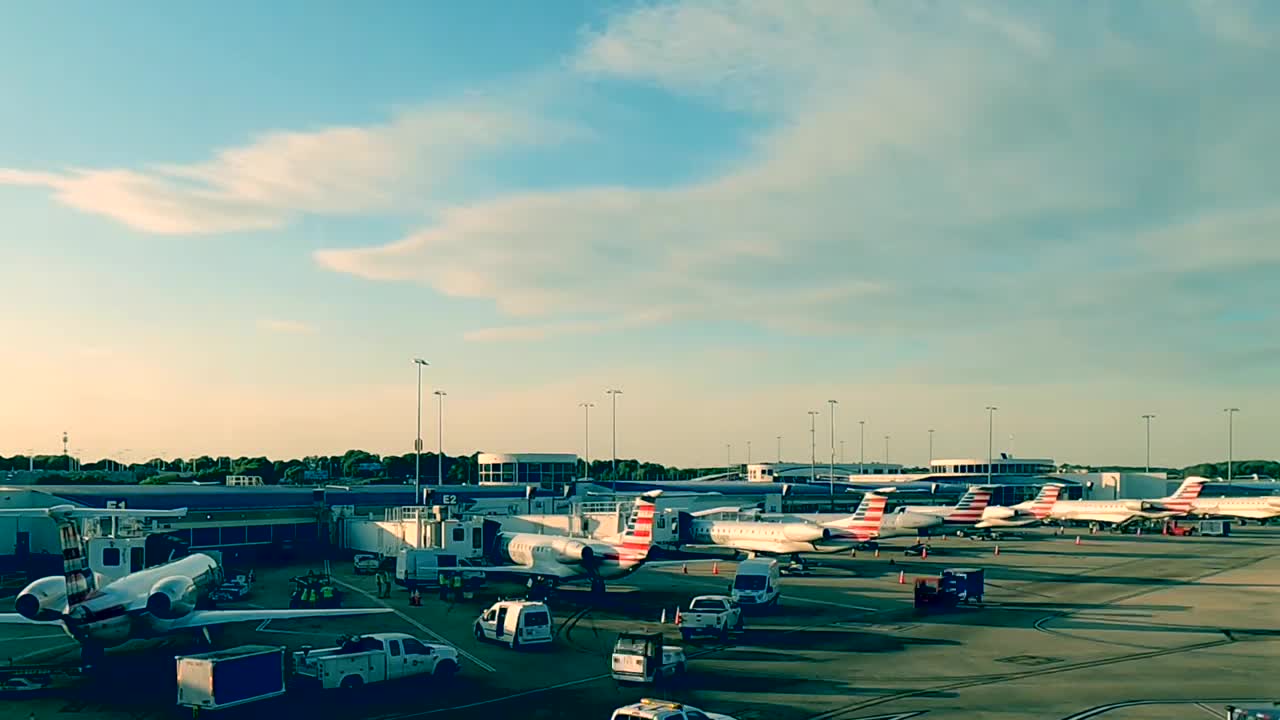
x: 228, y: 230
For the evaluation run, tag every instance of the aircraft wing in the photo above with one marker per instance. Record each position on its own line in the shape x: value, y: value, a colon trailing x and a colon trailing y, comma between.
x: 16, y: 619
x: 726, y: 509
x: 203, y: 618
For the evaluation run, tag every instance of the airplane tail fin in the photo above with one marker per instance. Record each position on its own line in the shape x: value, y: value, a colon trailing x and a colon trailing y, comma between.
x: 1045, y: 500
x: 971, y: 505
x: 865, y: 520
x: 81, y: 583
x: 638, y: 539
x: 1181, y: 498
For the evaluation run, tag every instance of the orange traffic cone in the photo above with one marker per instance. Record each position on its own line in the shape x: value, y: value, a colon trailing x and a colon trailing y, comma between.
x: 678, y: 618
x: 902, y: 577
x: 1139, y: 531
x: 685, y: 568
x: 924, y: 553
x: 877, y: 552
x: 663, y: 621
x: 1077, y: 539
x: 997, y: 552
x: 715, y: 568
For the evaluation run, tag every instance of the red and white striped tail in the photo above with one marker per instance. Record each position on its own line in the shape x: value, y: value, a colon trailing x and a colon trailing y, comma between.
x: 1044, y: 502
x: 864, y: 523
x: 1181, y: 499
x: 638, y: 538
x: 970, y: 507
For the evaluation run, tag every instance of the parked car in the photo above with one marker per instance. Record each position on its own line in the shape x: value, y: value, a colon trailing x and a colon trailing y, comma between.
x: 516, y: 623
x: 366, y: 564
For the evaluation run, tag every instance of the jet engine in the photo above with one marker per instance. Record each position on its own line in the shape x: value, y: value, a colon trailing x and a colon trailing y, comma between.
x: 1136, y: 506
x: 43, y: 600
x: 993, y: 512
x: 576, y: 552
x: 172, y: 597
x: 798, y: 532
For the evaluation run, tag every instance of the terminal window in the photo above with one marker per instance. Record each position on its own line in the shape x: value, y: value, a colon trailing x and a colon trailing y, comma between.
x: 111, y: 557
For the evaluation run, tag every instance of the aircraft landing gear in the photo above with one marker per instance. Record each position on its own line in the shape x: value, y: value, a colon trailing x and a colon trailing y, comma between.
x: 597, y: 587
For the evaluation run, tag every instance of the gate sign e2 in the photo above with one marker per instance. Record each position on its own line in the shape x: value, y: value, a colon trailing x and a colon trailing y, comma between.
x: 449, y: 499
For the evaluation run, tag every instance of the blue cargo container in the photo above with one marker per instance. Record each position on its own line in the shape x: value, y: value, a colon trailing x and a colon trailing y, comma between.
x: 967, y: 584
x: 226, y: 678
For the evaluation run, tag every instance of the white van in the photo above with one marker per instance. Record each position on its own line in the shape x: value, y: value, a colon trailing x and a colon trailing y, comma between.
x: 756, y: 583
x: 516, y: 623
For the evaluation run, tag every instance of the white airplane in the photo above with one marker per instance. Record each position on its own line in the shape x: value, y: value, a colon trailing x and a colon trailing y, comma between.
x: 1258, y: 507
x: 557, y: 559
x: 1023, y: 514
x: 817, y: 533
x: 1120, y: 512
x: 162, y: 600
x: 965, y: 513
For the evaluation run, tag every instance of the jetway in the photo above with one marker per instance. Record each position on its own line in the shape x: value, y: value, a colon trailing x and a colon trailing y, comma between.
x: 413, y: 527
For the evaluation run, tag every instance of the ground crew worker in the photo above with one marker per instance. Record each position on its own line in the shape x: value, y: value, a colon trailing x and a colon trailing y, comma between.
x: 457, y: 587
x: 377, y: 577
x: 384, y: 584
x: 326, y: 596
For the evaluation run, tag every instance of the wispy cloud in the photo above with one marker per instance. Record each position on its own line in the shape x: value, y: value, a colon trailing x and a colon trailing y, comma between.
x: 332, y: 171
x: 285, y: 327
x: 919, y: 179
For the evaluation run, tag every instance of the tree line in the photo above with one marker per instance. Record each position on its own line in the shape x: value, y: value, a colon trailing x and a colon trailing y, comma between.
x: 359, y: 465
x: 363, y: 465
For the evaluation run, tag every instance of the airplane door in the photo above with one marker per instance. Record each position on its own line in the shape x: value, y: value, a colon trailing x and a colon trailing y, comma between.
x: 136, y: 557
x: 501, y: 629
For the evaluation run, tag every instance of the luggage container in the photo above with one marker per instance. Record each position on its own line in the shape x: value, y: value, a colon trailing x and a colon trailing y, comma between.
x: 968, y: 584
x: 231, y: 677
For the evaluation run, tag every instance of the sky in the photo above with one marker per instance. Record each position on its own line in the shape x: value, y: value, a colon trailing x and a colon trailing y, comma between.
x: 230, y: 229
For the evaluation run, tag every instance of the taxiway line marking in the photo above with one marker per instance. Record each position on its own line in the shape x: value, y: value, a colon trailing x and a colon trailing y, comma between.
x: 58, y: 648
x: 1103, y: 709
x: 438, y: 637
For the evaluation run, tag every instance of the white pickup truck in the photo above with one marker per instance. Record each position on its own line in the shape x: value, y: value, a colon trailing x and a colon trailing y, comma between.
x: 360, y: 661
x: 710, y: 615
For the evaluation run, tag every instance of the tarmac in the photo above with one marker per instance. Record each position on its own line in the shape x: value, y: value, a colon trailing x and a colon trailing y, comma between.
x: 1117, y: 627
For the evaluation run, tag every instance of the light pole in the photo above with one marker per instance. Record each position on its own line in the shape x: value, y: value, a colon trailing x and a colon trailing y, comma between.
x: 613, y: 395
x: 813, y: 446
x: 440, y: 436
x: 728, y: 457
x: 1231, y: 413
x: 886, y: 452
x: 779, y: 439
x: 748, y: 453
x: 930, y: 449
x: 586, y: 437
x: 841, y: 452
x: 862, y: 446
x: 417, y: 440
x: 991, y: 414
x: 1148, y: 419
x: 831, y: 468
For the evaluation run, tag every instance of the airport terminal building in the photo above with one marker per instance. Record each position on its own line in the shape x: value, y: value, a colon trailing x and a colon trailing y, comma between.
x: 549, y: 471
